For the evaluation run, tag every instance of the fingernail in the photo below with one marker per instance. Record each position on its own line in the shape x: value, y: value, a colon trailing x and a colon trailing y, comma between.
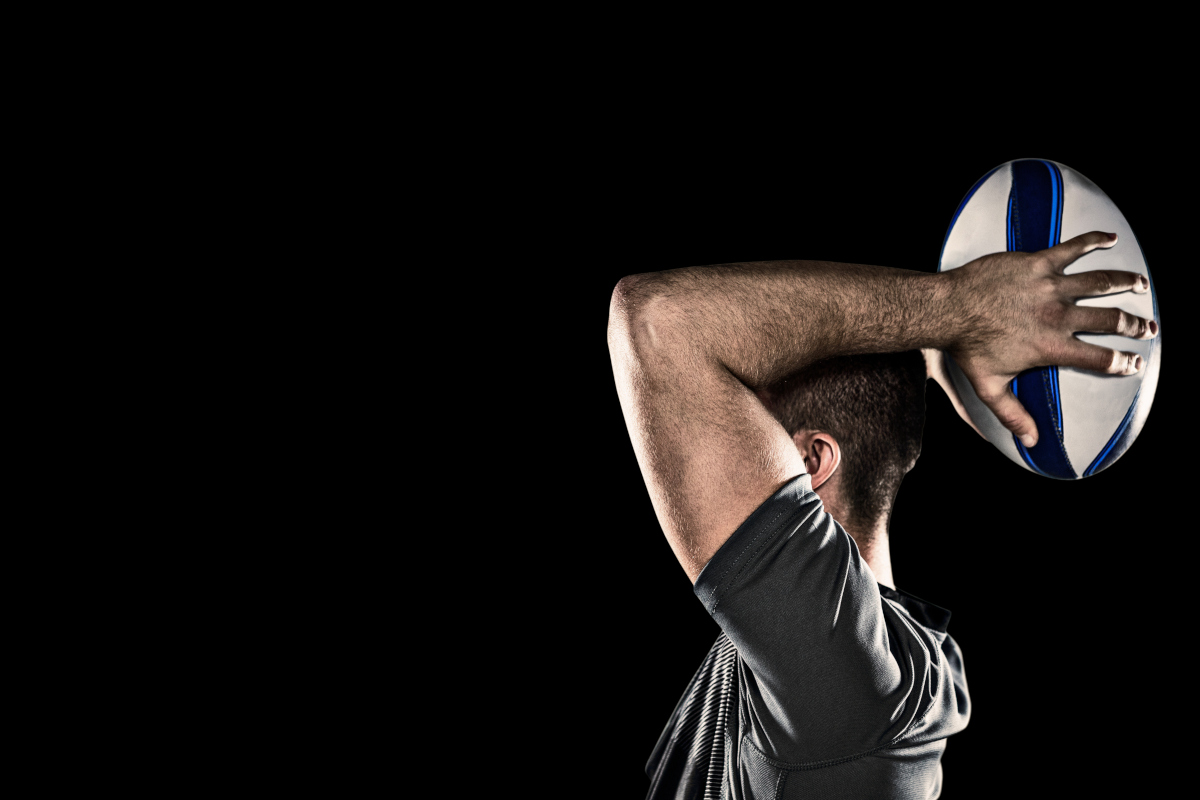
x: 1028, y: 439
x: 1137, y: 364
x: 1143, y: 283
x: 1112, y: 237
x: 1153, y: 328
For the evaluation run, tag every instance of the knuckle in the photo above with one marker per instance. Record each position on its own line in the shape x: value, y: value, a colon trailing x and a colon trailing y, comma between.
x: 1003, y: 413
x: 1055, y: 351
x: 991, y: 395
x: 1014, y: 422
x: 1053, y: 315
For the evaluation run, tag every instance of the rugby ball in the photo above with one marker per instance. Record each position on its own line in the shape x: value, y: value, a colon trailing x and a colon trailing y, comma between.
x: 1085, y: 420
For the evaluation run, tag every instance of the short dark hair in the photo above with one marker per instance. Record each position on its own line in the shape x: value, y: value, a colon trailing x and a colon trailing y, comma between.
x: 874, y: 405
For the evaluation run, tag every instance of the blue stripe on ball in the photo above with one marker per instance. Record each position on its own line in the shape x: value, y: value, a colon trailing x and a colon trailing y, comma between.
x: 1034, y: 223
x: 1099, y: 462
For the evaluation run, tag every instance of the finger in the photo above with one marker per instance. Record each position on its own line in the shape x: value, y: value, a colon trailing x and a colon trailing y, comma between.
x: 1100, y: 359
x: 1086, y: 319
x: 1104, y: 281
x: 1010, y: 412
x: 1063, y: 254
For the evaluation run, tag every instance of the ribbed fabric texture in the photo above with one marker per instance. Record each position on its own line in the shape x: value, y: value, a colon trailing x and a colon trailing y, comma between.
x: 689, y: 761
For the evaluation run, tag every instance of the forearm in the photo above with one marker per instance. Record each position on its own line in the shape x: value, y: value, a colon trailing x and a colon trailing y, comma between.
x: 762, y: 321
x: 692, y: 348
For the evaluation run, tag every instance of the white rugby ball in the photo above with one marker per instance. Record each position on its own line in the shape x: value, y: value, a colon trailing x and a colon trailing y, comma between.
x: 1085, y: 420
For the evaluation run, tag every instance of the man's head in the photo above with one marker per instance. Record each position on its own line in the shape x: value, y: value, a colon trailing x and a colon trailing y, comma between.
x: 859, y: 419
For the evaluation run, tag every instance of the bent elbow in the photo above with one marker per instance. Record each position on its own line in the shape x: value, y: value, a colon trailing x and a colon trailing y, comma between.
x: 621, y: 306
x: 639, y: 312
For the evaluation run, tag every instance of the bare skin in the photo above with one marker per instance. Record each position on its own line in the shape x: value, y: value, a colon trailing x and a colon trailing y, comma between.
x: 822, y: 456
x: 691, y: 347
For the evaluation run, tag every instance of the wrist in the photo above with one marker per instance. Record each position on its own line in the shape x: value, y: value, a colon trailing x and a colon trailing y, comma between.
x: 948, y: 302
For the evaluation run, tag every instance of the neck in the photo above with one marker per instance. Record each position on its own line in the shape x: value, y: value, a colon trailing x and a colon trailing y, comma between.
x: 878, y: 556
x: 872, y: 538
x: 873, y: 545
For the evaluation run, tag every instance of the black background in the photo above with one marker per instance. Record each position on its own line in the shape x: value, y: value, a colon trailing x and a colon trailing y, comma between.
x: 1067, y: 597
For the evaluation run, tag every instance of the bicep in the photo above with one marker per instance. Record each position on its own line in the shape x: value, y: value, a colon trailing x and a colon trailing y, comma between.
x: 709, y: 451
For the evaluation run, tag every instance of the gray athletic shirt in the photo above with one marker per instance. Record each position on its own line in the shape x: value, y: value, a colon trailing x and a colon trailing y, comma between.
x: 822, y: 684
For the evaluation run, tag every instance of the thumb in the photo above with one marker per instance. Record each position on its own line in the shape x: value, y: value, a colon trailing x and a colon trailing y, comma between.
x: 935, y: 367
x: 1008, y: 409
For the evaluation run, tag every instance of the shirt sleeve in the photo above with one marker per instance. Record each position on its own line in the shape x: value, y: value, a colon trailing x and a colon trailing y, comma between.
x: 828, y: 669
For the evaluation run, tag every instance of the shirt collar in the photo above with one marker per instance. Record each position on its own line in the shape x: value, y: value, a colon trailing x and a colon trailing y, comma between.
x: 923, y: 611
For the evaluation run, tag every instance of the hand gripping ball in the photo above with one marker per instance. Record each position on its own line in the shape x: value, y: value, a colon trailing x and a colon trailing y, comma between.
x: 1085, y: 420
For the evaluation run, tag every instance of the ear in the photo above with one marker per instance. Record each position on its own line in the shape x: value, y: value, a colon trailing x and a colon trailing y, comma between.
x: 821, y: 452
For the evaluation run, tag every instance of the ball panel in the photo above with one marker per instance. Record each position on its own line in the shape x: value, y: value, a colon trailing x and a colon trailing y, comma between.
x: 1138, y: 413
x: 977, y: 231
x: 1095, y: 405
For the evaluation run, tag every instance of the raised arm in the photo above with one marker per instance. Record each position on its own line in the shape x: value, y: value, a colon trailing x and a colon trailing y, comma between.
x: 691, y: 347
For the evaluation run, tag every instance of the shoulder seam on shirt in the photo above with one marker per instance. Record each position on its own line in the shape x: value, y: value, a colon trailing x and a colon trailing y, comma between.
x: 766, y: 531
